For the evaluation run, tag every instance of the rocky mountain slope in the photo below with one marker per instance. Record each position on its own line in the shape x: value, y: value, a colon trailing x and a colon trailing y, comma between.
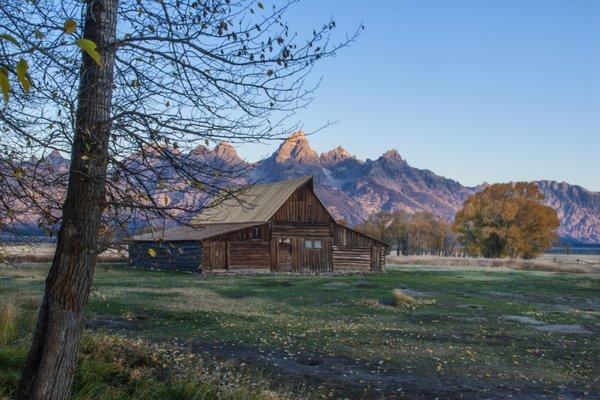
x: 352, y: 188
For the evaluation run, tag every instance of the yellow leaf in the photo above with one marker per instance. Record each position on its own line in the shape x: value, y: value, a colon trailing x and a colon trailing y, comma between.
x: 90, y: 48
x: 70, y: 26
x: 9, y: 39
x: 22, y: 68
x: 4, y: 84
x: 19, y: 172
x: 85, y: 158
x: 39, y: 34
x: 152, y: 252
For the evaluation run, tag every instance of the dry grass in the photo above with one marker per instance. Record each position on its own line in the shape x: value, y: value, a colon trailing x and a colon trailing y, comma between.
x: 44, y: 252
x: 573, y: 264
x: 112, y: 367
x: 401, y: 299
x: 8, y: 322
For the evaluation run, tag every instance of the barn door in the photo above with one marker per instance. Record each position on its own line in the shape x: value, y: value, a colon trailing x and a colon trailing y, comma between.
x: 219, y: 255
x: 284, y: 255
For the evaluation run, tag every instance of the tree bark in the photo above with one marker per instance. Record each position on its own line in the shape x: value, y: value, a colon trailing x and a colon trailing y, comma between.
x: 51, y: 362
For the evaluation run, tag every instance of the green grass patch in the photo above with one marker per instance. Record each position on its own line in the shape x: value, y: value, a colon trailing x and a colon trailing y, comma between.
x: 457, y: 328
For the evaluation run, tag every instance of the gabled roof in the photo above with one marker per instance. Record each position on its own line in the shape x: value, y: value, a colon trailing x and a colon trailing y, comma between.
x: 187, y: 232
x: 254, y: 204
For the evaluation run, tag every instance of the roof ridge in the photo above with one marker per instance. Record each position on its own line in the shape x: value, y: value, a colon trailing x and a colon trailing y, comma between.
x: 302, y: 178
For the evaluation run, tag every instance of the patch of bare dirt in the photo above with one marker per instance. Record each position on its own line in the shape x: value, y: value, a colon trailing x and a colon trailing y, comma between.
x: 357, y: 379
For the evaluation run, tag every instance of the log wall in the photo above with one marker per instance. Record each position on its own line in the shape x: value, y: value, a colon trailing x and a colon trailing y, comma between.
x: 249, y: 255
x: 355, y: 251
x: 350, y: 258
x: 180, y: 255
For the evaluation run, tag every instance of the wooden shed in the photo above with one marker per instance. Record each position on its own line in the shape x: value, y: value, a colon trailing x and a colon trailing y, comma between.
x: 278, y: 227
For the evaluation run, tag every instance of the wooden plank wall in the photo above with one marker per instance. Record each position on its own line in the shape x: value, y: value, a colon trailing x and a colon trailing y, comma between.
x: 352, y: 247
x: 343, y: 236
x: 311, y: 260
x: 179, y: 256
x: 303, y: 206
x: 249, y: 255
x: 351, y: 258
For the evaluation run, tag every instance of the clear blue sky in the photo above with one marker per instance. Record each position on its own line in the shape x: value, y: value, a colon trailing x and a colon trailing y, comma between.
x: 473, y: 90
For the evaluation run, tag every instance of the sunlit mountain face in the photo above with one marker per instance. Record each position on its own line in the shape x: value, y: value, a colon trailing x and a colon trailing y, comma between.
x: 352, y: 189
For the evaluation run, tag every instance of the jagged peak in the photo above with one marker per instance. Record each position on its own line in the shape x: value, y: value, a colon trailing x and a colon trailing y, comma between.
x: 391, y: 158
x: 55, y: 158
x: 199, y: 150
x: 392, y: 155
x: 296, y: 147
x: 339, y: 151
x: 335, y: 156
x: 298, y: 135
x: 226, y: 151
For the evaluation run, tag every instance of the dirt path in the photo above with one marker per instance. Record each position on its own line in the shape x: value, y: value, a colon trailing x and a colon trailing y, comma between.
x: 354, y: 379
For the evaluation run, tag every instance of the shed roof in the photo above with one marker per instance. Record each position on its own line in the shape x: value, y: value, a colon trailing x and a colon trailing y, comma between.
x: 255, y: 203
x: 196, y: 232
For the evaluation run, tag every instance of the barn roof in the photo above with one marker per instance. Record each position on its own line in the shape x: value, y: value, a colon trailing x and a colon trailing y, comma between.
x: 255, y: 203
x: 187, y: 232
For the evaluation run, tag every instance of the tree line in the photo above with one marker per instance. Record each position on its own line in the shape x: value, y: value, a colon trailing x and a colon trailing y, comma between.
x: 411, y: 233
x: 503, y: 221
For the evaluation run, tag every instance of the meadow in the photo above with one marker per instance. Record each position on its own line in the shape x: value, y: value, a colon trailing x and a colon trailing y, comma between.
x: 453, y: 332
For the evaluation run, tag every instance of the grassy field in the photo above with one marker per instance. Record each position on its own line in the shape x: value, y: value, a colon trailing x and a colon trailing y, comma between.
x: 471, y: 333
x: 575, y: 263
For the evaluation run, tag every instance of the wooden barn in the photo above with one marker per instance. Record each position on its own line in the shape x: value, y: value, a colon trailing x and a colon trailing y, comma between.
x: 278, y: 227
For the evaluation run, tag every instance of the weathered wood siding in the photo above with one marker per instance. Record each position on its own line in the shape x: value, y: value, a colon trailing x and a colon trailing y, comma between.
x: 311, y: 260
x: 355, y: 251
x: 343, y: 236
x: 290, y: 251
x: 378, y: 257
x: 249, y: 255
x: 303, y: 206
x: 245, y: 249
x: 180, y: 255
x: 351, y: 258
x: 287, y: 230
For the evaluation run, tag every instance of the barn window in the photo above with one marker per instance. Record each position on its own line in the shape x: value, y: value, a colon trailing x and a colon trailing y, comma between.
x: 313, y: 244
x: 255, y: 233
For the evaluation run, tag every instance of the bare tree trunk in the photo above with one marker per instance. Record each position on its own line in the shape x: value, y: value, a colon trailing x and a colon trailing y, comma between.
x: 51, y: 361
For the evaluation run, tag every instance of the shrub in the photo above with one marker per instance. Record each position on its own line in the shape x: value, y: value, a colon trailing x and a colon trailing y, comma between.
x: 401, y: 299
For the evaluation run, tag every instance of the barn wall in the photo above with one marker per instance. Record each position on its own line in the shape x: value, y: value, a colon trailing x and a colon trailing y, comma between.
x: 351, y: 258
x: 238, y: 250
x: 249, y: 255
x: 303, y: 206
x: 311, y: 260
x: 314, y: 230
x: 180, y: 255
x: 355, y: 251
x: 343, y: 236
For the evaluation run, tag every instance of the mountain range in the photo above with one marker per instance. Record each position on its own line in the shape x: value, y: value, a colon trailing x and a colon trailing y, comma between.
x: 352, y: 189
